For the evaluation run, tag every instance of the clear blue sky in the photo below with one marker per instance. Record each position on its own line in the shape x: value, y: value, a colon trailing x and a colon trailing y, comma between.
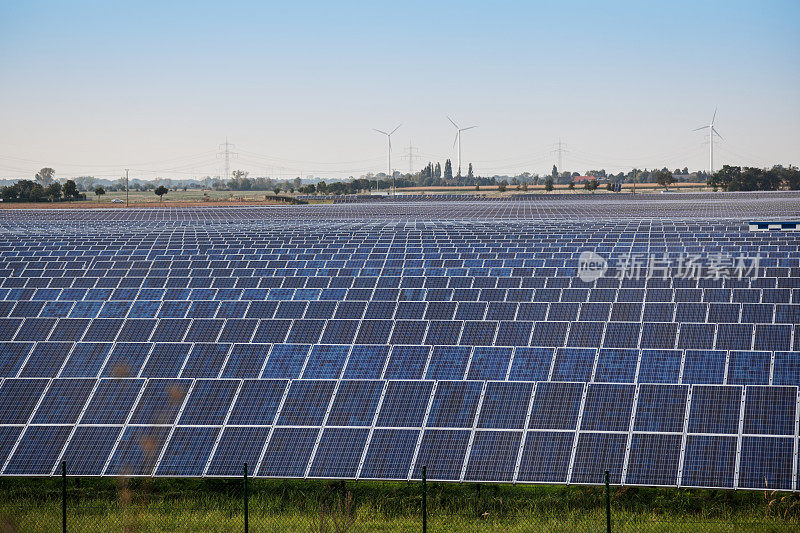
x: 92, y: 87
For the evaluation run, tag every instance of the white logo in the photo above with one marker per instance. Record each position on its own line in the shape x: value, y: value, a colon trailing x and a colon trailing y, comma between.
x: 591, y: 266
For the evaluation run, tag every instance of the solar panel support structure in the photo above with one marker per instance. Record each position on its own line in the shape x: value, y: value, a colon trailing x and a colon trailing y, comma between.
x: 472, y: 433
x: 608, y: 504
x: 684, y: 438
x: 246, y: 517
x: 739, y: 439
x: 64, y: 496
x: 424, y: 499
x: 577, y: 433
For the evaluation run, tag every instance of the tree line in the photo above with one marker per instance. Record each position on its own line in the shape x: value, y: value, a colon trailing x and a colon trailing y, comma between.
x: 732, y: 178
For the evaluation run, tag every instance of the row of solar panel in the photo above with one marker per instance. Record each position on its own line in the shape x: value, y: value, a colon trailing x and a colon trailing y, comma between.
x: 662, y: 408
x: 293, y: 361
x: 374, y: 429
x: 591, y: 334
x: 751, y: 313
x: 216, y: 290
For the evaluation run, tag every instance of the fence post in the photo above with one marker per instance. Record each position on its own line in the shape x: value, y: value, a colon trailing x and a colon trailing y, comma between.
x: 608, y: 506
x: 64, y: 496
x: 246, y: 518
x: 424, y: 501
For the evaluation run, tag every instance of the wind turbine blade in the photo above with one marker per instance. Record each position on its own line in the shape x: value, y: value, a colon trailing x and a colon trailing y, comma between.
x: 465, y: 129
x: 397, y: 128
x: 715, y: 116
x: 702, y: 128
x: 455, y: 140
x: 379, y: 131
x: 451, y: 122
x: 718, y: 135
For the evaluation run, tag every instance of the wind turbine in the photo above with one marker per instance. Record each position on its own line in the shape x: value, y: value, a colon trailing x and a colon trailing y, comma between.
x: 388, y: 157
x: 711, y: 131
x: 458, y: 140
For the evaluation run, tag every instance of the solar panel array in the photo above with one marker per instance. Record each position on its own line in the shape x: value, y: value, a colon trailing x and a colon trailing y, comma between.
x: 326, y: 342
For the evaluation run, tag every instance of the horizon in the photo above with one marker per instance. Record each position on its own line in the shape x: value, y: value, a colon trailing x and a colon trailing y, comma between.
x: 298, y: 90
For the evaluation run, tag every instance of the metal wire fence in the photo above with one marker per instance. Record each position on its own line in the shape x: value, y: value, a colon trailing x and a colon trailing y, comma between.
x: 243, y: 504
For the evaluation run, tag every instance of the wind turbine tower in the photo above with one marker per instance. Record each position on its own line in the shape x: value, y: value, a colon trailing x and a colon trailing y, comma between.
x: 458, y: 140
x: 388, y: 156
x: 711, y: 132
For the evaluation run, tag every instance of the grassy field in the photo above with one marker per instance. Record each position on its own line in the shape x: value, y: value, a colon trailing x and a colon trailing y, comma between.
x: 281, y: 505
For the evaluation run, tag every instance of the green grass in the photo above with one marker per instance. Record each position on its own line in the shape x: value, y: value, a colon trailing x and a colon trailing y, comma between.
x: 291, y: 505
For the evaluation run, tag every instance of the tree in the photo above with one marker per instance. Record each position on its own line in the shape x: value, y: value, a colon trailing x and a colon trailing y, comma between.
x: 571, y: 185
x: 554, y: 173
x: 664, y: 178
x: 524, y: 185
x: 53, y: 191
x: 548, y: 184
x: 448, y: 170
x: 99, y: 192
x: 45, y: 176
x: 437, y: 173
x: 161, y: 191
x: 70, y: 190
x: 470, y: 176
x: 591, y: 185
x: 501, y: 187
x: 277, y: 190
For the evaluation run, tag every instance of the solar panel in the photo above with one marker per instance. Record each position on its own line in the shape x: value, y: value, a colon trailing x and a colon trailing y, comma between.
x: 368, y: 339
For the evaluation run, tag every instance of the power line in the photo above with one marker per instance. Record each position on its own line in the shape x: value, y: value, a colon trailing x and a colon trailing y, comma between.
x: 412, y: 154
x: 560, y: 149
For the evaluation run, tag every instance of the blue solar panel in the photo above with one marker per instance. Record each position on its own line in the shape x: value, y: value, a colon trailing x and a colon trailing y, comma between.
x: 112, y: 401
x: 285, y: 361
x: 389, y: 454
x: 596, y: 453
x: 356, y: 403
x: 326, y: 362
x: 88, y: 449
x: 306, y: 403
x: 442, y: 451
x: 138, y: 450
x: 339, y: 452
x: 187, y: 451
x: 545, y: 457
x: 238, y: 445
x: 654, y: 459
x: 660, y: 408
x: 38, y: 450
x: 556, y: 405
x: 479, y: 352
x: 493, y: 455
x: 288, y: 452
x: 455, y: 404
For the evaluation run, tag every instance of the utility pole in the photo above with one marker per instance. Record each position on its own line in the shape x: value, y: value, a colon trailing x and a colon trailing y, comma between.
x: 226, y: 154
x: 127, y: 197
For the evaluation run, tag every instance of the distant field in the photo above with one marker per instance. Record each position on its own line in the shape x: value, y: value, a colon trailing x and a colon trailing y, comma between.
x: 191, y: 197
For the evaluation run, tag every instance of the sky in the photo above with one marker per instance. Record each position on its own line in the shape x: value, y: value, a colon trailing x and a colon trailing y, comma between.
x: 91, y: 88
